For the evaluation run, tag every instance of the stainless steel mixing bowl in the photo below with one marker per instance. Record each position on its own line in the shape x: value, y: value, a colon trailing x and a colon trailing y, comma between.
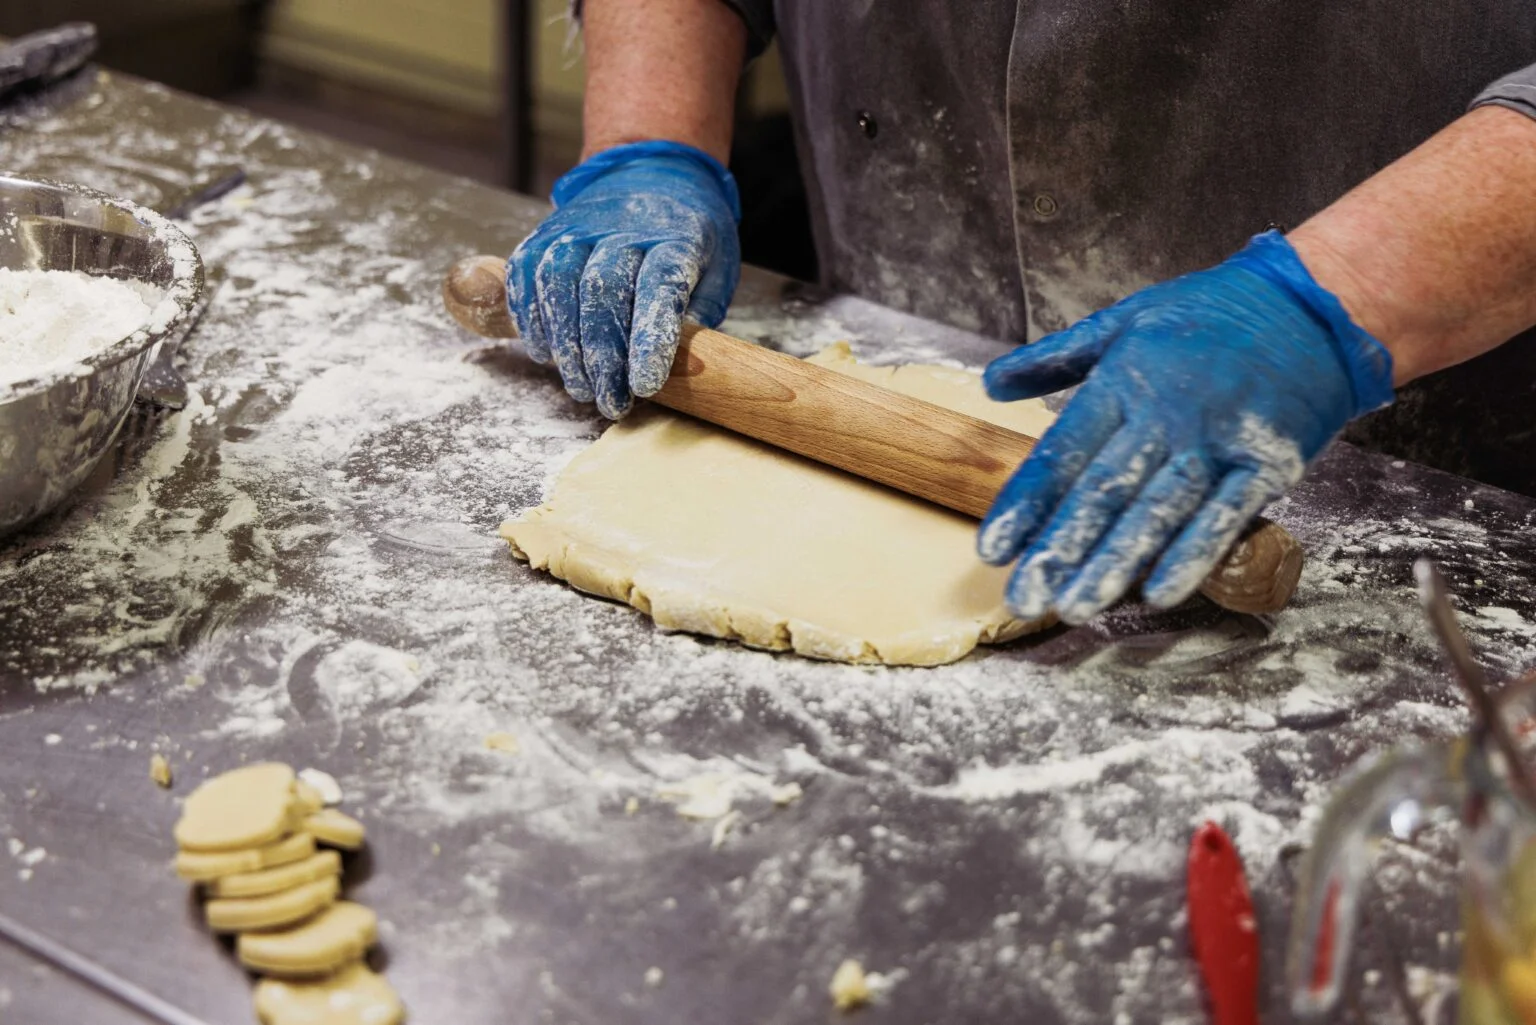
x: 55, y: 428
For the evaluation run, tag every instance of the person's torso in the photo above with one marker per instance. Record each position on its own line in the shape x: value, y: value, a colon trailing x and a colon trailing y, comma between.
x: 1010, y: 167
x: 903, y: 129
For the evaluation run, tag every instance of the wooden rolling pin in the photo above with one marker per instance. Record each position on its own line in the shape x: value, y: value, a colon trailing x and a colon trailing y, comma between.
x: 946, y: 457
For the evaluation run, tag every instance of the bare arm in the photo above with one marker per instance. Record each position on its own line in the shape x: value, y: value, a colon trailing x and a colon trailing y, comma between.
x: 1436, y: 254
x: 661, y: 69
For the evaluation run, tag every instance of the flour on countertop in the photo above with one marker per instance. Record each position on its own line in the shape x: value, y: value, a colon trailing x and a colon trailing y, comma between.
x: 53, y: 318
x: 306, y: 556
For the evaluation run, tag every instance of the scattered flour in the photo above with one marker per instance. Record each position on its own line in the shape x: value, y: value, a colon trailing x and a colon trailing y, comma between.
x: 991, y: 783
x: 359, y: 675
x: 312, y: 542
x: 26, y: 859
x: 50, y: 319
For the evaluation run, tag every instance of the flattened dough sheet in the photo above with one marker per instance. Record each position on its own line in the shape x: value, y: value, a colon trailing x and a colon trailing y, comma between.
x: 706, y: 531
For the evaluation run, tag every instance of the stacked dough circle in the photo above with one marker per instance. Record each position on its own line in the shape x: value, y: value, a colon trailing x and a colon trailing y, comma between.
x: 249, y: 837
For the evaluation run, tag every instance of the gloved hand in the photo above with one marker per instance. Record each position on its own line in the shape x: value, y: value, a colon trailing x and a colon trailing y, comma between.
x: 1205, y: 398
x: 642, y: 235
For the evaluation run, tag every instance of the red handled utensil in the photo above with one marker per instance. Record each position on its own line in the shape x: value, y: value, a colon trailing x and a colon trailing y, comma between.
x: 1222, y: 928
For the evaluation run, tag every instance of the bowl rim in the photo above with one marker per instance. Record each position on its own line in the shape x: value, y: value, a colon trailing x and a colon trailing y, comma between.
x: 185, y: 290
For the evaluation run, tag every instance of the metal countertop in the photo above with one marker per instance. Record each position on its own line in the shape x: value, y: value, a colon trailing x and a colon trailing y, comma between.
x: 302, y: 566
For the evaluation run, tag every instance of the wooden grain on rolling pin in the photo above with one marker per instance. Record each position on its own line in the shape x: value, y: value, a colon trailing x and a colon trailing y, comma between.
x: 949, y: 458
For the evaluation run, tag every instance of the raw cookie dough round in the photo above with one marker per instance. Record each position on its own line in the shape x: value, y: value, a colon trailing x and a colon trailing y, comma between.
x: 199, y: 867
x: 707, y: 531
x: 246, y: 807
x: 335, y: 829
x: 273, y: 911
x: 274, y: 880
x: 336, y: 936
x: 353, y: 996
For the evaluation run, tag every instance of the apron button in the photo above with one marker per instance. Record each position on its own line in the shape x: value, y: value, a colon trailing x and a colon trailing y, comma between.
x: 867, y: 125
x: 1045, y: 205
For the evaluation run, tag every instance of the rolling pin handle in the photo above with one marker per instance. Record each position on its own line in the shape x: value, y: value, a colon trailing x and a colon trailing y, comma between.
x: 1260, y: 573
x: 475, y: 294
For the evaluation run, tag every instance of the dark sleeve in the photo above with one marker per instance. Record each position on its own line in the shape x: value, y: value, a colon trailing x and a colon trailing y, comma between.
x: 1517, y: 92
x: 758, y: 14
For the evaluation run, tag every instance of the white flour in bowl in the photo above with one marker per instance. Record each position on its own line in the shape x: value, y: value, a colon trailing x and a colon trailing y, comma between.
x: 50, y: 319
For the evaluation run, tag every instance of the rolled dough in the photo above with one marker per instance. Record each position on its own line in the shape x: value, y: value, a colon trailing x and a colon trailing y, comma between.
x: 706, y: 531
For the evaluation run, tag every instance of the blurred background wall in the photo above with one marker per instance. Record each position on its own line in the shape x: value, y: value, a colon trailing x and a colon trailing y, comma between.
x: 432, y: 66
x: 462, y: 85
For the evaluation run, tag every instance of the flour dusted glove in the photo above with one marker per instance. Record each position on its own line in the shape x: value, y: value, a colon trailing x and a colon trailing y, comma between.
x: 642, y: 235
x: 1203, y: 399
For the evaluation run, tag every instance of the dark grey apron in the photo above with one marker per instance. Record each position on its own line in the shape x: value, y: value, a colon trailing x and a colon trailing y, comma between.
x: 1010, y: 167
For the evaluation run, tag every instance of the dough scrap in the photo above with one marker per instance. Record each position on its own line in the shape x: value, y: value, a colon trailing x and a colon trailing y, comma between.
x: 336, y: 829
x: 353, y: 996
x: 273, y: 911
x: 274, y: 880
x: 709, y: 532
x: 200, y: 867
x: 246, y: 807
x: 339, y: 934
x: 849, y: 988
x: 502, y: 741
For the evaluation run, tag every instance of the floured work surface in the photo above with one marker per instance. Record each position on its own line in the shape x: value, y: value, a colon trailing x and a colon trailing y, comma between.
x: 303, y: 566
x: 710, y: 532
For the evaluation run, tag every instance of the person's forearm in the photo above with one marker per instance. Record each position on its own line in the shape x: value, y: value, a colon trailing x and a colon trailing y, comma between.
x: 661, y: 69
x: 1436, y: 254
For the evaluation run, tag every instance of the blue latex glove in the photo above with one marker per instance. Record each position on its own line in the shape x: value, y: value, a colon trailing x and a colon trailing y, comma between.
x: 1203, y: 399
x: 642, y: 235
